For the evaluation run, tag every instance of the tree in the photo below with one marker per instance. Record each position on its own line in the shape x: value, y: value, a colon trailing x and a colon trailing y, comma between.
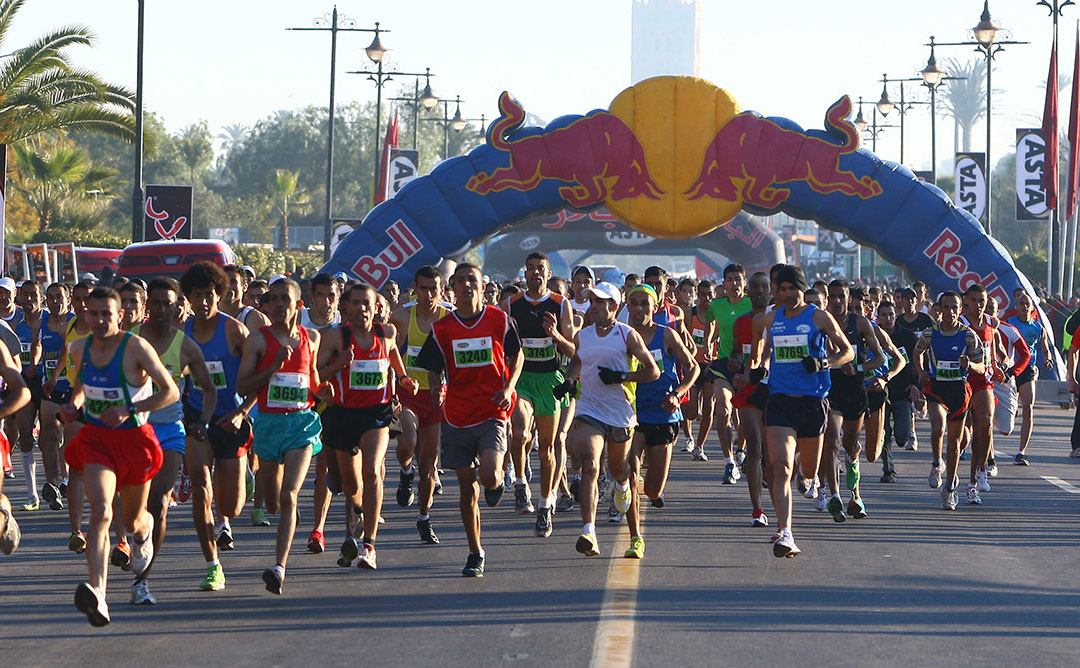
x: 41, y: 90
x: 64, y: 184
x: 284, y: 190
x: 964, y: 99
x: 195, y: 149
x: 232, y: 136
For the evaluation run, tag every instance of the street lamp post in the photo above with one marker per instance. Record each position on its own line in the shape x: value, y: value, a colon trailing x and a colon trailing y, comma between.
x: 334, y: 24
x: 137, y: 195
x: 933, y: 77
x: 872, y: 129
x: 456, y: 122
x: 427, y: 100
x: 886, y: 106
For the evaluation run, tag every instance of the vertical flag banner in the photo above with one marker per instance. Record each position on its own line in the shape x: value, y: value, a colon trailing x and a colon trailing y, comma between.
x: 1030, y: 192
x: 1049, y: 130
x: 167, y: 212
x: 970, y: 194
x: 1073, y: 179
x: 389, y: 143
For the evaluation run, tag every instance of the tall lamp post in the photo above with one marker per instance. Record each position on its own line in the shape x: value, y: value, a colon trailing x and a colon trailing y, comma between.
x: 886, y: 106
x: 137, y: 195
x: 427, y: 100
x: 456, y: 122
x: 873, y: 130
x: 335, y: 23
x: 933, y: 77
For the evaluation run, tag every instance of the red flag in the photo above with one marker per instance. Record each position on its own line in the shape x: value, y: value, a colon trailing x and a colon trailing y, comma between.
x: 384, y: 169
x: 1049, y: 131
x: 1074, y: 136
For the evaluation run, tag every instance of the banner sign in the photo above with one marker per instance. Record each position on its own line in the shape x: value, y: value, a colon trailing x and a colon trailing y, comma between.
x: 340, y: 228
x: 970, y: 194
x: 167, y: 213
x: 404, y: 167
x: 925, y: 175
x: 1030, y: 193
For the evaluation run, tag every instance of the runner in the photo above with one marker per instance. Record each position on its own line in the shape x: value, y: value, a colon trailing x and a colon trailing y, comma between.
x: 133, y: 303
x: 903, y: 391
x: 278, y: 366
x: 116, y: 449
x: 357, y: 358
x: 724, y: 311
x: 545, y: 323
x: 235, y: 302
x: 11, y: 314
x: 657, y: 404
x: 747, y: 398
x: 26, y: 329
x: 877, y: 382
x: 391, y: 292
x: 799, y: 382
x: 702, y: 396
x: 1039, y: 346
x: 47, y: 347
x: 179, y: 354
x: 953, y: 351
x: 581, y: 280
x: 17, y: 396
x: 982, y: 390
x: 215, y: 462
x: 1016, y: 359
x: 480, y: 350
x: 605, y: 413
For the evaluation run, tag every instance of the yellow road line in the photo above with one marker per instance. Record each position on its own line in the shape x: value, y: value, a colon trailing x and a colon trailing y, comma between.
x: 614, y: 643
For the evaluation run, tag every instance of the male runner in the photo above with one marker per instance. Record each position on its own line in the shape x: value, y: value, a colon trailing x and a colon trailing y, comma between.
x: 877, y: 382
x: 702, y: 398
x: 179, y: 354
x: 480, y: 350
x: 47, y: 347
x: 903, y: 390
x: 278, y: 365
x: 545, y: 324
x: 133, y: 303
x: 582, y: 279
x: 724, y: 311
x: 235, y: 301
x: 116, y: 448
x: 982, y: 389
x: 17, y: 396
x: 26, y: 329
x: 750, y: 418
x: 1038, y: 344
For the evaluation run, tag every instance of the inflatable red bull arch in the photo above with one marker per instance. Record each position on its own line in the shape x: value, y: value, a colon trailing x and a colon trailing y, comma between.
x: 674, y: 158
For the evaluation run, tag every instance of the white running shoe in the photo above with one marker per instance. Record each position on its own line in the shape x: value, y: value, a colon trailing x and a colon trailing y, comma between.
x: 821, y: 502
x: 936, y: 472
x: 948, y: 498
x: 991, y: 469
x: 973, y: 495
x: 981, y: 482
x: 814, y: 490
x: 688, y: 444
x: 785, y: 545
x: 142, y: 551
x: 140, y: 593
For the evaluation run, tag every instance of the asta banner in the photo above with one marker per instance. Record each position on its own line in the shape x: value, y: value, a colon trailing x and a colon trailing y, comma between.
x: 167, y: 212
x: 1030, y: 193
x: 404, y: 167
x: 970, y: 192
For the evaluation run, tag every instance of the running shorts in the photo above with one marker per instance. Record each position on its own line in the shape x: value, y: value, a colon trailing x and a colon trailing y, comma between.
x: 704, y: 376
x: 463, y: 446
x: 34, y: 384
x: 719, y: 373
x: 759, y: 398
x: 344, y: 426
x: 226, y: 444
x: 1031, y: 373
x: 954, y: 396
x: 848, y: 396
x: 134, y: 455
x: 613, y: 434
x: 538, y: 390
x: 659, y: 434
x: 875, y: 400
x: 171, y: 435
x: 278, y: 433
x: 804, y: 415
x: 979, y: 382
x: 420, y: 405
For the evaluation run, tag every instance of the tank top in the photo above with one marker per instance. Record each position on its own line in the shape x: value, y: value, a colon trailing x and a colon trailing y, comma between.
x: 538, y: 348
x: 945, y: 352
x: 71, y: 337
x: 414, y: 341
x: 171, y: 359
x: 305, y: 320
x: 792, y: 340
x: 475, y: 366
x: 1032, y: 332
x: 698, y: 329
x: 985, y: 333
x: 289, y: 388
x: 224, y: 367
x: 650, y: 396
x: 26, y: 337
x: 610, y: 404
x: 366, y: 381
x: 105, y: 387
x: 51, y: 345
x: 878, y: 372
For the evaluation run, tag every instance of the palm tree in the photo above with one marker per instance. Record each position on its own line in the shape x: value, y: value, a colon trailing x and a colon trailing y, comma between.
x: 284, y: 191
x: 964, y: 99
x: 232, y: 136
x: 62, y: 183
x: 40, y: 89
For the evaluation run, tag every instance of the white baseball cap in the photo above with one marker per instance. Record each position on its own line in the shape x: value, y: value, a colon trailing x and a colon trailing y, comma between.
x: 7, y: 283
x: 604, y: 290
x: 275, y: 278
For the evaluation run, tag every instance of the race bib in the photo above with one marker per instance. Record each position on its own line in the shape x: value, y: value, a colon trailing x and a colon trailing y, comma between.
x: 411, y: 353
x: 472, y: 352
x: 217, y: 374
x: 288, y: 390
x: 50, y: 364
x: 24, y: 352
x: 699, y: 337
x: 368, y: 374
x: 538, y: 350
x: 746, y: 353
x: 948, y: 371
x: 101, y: 399
x: 791, y: 348
x: 658, y: 355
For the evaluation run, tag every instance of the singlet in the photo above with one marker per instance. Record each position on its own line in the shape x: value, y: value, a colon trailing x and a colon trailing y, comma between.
x: 26, y: 337
x: 71, y: 337
x: 366, y: 382
x: 475, y: 366
x: 792, y: 340
x: 651, y: 395
x: 243, y: 314
x: 305, y: 319
x: 698, y: 331
x: 985, y: 333
x: 945, y: 352
x: 744, y: 335
x: 724, y: 314
x: 289, y: 389
x: 171, y: 359
x: 224, y: 368
x: 51, y: 345
x: 541, y: 355
x: 877, y: 372
x: 414, y: 341
x: 582, y: 307
x: 610, y: 404
x: 1017, y: 353
x: 1032, y: 332
x: 105, y: 387
x: 855, y: 338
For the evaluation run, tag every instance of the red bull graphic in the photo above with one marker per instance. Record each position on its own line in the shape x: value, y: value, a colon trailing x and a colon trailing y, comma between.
x: 598, y: 153
x: 403, y: 245
x: 736, y: 168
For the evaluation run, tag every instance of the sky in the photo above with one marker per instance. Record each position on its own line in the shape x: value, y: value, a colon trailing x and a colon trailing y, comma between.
x: 233, y: 62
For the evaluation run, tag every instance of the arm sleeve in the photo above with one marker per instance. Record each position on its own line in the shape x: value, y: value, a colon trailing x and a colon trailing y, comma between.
x: 511, y: 340
x: 430, y: 356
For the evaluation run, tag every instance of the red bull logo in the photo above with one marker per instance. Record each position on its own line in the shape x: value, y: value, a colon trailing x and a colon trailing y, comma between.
x: 730, y: 171
x: 945, y: 252
x: 599, y: 154
x: 403, y: 245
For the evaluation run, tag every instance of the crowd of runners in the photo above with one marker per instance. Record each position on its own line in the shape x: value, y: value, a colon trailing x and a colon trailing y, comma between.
x: 221, y: 390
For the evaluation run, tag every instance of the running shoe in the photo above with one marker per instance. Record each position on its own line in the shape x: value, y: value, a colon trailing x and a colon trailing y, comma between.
x: 63, y: 487
x: 92, y: 603
x: 274, y: 580
x: 658, y: 502
x: 258, y: 518
x: 964, y: 455
x: 636, y: 549
x: 821, y: 502
x: 760, y: 519
x: 367, y: 558
x: 474, y: 566
x: 836, y: 508
x: 688, y: 444
x: 586, y: 544
x: 9, y: 474
x: 427, y: 534
x: 622, y: 497
x: 405, y: 495
x: 225, y: 538
x: 775, y: 536
x: 699, y: 455
x: 740, y: 459
x: 77, y: 542
x: 856, y: 508
x: 121, y: 556
x: 316, y: 542
x: 9, y: 540
x: 852, y: 474
x: 522, y: 500
x: 973, y: 496
x: 528, y: 463
x: 991, y: 468
x: 543, y: 522
x: 785, y: 545
x: 172, y: 500
x: 508, y: 480
x: 980, y: 480
x: 564, y: 504
x: 613, y: 514
x: 603, y: 486
x: 53, y: 497
x: 249, y: 485
x: 731, y: 474
x: 1021, y: 459
x: 142, y: 550
x: 936, y: 471
x: 34, y: 503
x: 889, y: 476
x: 214, y: 580
x: 912, y: 445
x: 185, y: 488
x: 437, y: 489
x: 948, y: 498
x: 140, y: 593
x: 494, y: 496
x: 350, y: 550
x: 575, y: 485
x: 813, y: 489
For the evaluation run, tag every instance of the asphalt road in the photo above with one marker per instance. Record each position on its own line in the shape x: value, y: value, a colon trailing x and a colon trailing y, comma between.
x: 909, y: 585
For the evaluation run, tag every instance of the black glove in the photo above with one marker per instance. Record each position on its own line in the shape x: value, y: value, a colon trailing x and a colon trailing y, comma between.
x: 757, y: 375
x: 814, y: 364
x: 611, y: 376
x: 1009, y: 373
x: 568, y: 386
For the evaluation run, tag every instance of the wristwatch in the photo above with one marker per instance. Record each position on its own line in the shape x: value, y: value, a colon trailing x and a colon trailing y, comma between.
x: 131, y: 409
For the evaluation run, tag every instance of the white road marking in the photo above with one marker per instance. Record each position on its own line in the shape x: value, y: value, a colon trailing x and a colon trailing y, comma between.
x: 1058, y: 482
x: 614, y: 644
